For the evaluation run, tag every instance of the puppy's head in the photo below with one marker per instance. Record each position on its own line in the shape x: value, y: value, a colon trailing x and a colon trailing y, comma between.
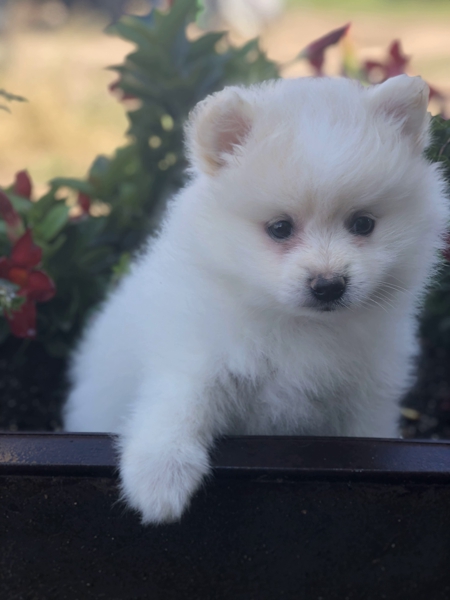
x: 313, y: 195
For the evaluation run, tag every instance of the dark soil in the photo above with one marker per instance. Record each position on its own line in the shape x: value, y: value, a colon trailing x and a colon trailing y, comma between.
x: 32, y: 392
x: 426, y: 409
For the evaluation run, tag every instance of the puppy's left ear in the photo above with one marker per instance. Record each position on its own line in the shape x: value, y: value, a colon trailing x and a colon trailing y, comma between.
x: 218, y: 128
x: 404, y: 100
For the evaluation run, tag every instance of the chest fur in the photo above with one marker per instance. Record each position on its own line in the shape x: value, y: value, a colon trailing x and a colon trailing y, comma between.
x: 298, y: 388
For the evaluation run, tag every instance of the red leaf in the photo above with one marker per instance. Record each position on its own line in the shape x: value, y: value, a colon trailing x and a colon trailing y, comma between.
x: 14, y: 225
x: 5, y: 265
x: 394, y: 64
x: 434, y: 93
x: 22, y: 322
x: 18, y: 275
x: 314, y: 52
x: 84, y: 202
x: 397, y: 60
x: 114, y: 87
x: 440, y: 98
x: 39, y: 287
x: 23, y: 185
x: 25, y: 252
x: 35, y: 286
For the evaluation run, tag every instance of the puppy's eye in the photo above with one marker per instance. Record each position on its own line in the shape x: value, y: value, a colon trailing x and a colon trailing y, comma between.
x: 280, y: 230
x: 362, y: 226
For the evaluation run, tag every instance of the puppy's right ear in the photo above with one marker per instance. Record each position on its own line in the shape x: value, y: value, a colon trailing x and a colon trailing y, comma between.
x: 404, y: 100
x: 217, y: 129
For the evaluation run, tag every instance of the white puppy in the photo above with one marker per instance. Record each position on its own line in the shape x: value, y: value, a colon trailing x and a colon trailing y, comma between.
x: 281, y: 294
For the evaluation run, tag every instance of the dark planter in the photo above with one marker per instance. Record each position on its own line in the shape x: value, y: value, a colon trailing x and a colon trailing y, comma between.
x: 280, y: 518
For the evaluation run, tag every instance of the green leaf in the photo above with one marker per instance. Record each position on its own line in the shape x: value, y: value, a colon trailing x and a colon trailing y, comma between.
x: 52, y: 249
x: 12, y: 97
x: 99, y: 168
x: 53, y: 222
x: 204, y: 45
x: 39, y: 209
x: 174, y: 22
x: 22, y: 205
x: 57, y: 347
x: 4, y: 330
x: 129, y: 28
x: 95, y: 258
x: 75, y: 184
x: 121, y: 268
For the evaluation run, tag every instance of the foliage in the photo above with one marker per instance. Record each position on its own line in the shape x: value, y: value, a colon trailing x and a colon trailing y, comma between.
x: 436, y: 319
x: 439, y: 150
x: 9, y: 98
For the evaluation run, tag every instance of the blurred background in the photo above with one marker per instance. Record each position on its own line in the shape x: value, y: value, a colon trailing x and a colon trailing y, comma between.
x: 55, y: 54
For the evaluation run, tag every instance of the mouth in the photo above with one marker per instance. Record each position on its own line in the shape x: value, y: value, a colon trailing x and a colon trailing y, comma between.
x: 331, y: 306
x: 328, y: 309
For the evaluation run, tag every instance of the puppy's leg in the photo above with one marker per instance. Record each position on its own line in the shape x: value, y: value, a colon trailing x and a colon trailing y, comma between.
x: 164, y: 448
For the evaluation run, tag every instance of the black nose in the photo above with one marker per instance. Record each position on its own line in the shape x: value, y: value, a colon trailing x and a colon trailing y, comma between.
x: 327, y: 289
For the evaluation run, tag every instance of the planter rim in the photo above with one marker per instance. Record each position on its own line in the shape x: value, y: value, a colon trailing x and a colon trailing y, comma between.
x: 329, y: 458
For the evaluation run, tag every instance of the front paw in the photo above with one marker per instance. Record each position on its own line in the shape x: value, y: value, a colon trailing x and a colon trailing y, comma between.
x: 159, y: 482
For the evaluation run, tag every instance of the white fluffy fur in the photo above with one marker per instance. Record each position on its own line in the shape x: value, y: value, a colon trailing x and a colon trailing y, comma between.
x: 213, y: 332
